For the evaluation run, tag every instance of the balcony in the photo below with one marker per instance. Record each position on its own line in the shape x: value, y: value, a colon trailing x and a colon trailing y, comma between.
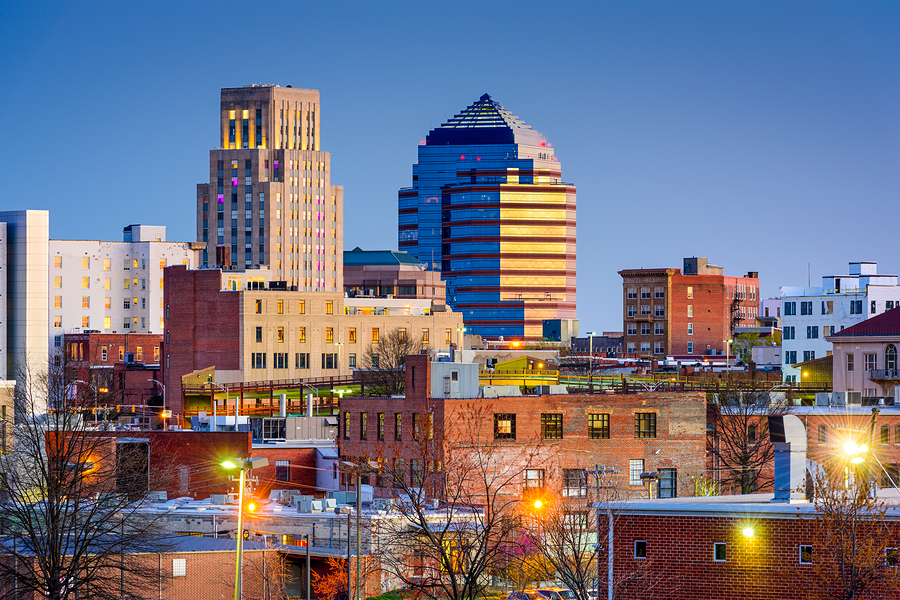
x: 884, y: 374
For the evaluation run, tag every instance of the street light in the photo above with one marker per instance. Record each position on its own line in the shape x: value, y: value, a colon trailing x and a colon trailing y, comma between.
x: 244, y: 465
x: 359, y: 470
x: 96, y: 394
x: 727, y: 355
x: 591, y: 335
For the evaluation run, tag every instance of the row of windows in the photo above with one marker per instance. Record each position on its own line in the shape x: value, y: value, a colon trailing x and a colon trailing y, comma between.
x: 75, y: 351
x: 658, y: 328
x: 720, y: 553
x: 871, y: 359
x: 127, y: 323
x: 128, y: 303
x: 351, y: 334
x: 552, y: 426
x: 127, y: 284
x: 281, y: 360
x: 107, y: 265
x: 658, y: 292
x: 827, y: 307
x: 415, y: 426
x: 659, y: 310
x: 658, y: 347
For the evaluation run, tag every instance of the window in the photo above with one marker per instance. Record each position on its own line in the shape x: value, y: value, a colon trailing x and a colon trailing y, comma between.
x: 106, y: 284
x: 351, y: 360
x: 690, y: 329
x: 690, y: 347
x: 346, y: 425
x: 668, y: 483
x: 259, y: 307
x: 551, y: 426
x: 85, y: 262
x: 329, y: 335
x: 658, y: 348
x: 871, y: 361
x: 156, y: 354
x: 790, y: 357
x: 139, y: 354
x: 690, y: 292
x: 872, y: 307
x: 401, y: 334
x: 259, y: 335
x: 107, y: 322
x: 398, y: 429
x: 381, y: 426
x: 375, y: 335
x: 885, y: 434
x: 103, y: 353
x: 631, y: 329
x: 659, y: 292
x: 127, y: 284
x: 645, y: 346
x: 302, y: 308
x: 415, y: 425
x: 856, y: 307
x: 632, y: 310
x: 85, y: 321
x: 57, y: 262
x: 258, y: 360
x: 351, y: 335
x: 574, y: 483
x: 85, y: 282
x: 823, y: 434
x: 659, y: 310
x: 645, y: 425
x: 645, y: 309
x: 751, y: 434
x: 645, y: 293
x: 504, y: 426
x: 424, y: 336
x: 629, y: 348
x: 631, y: 293
x: 107, y: 303
x: 788, y: 333
x: 282, y: 470
x: 280, y: 360
x: 640, y: 549
x: 598, y: 426
x: 301, y: 335
x: 635, y: 468
x: 534, y: 479
x: 891, y: 556
x: 645, y: 328
x: 329, y: 307
x: 719, y: 552
x: 805, y: 554
x: 890, y: 357
x: 790, y: 308
x: 121, y: 353
x: 301, y: 360
x: 808, y: 355
x: 363, y: 423
x: 179, y: 567
x: 812, y: 332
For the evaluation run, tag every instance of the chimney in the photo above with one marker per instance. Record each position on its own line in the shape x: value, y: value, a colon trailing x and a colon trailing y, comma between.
x: 788, y: 436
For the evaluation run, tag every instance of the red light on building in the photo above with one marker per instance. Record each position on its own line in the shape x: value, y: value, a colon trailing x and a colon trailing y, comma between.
x: 462, y: 157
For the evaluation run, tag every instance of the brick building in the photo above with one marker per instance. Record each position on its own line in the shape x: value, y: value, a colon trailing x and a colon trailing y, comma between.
x: 568, y: 434
x: 684, y: 313
x: 244, y: 334
x: 106, y: 369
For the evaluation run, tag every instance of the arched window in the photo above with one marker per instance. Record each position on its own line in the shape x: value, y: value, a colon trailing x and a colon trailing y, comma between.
x: 890, y: 357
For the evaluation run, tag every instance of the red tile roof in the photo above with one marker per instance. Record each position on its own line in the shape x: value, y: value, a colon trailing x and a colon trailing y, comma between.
x: 887, y: 323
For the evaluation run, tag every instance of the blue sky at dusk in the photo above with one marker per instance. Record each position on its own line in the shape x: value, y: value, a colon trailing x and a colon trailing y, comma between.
x: 764, y: 135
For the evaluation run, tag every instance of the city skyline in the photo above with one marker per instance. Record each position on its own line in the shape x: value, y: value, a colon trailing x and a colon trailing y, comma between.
x: 756, y: 134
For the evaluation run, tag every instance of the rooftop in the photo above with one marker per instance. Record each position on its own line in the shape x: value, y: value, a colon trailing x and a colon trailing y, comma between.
x: 360, y: 257
x: 485, y: 122
x: 885, y: 324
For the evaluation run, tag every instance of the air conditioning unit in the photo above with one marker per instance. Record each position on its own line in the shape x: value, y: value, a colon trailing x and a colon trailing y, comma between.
x: 823, y: 398
x: 845, y: 398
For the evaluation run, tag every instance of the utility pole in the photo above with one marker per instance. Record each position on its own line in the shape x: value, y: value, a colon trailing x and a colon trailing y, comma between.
x: 604, y: 484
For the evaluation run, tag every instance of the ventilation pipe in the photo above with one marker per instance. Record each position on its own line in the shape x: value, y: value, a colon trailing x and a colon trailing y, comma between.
x: 788, y: 436
x: 282, y: 406
x: 309, y: 404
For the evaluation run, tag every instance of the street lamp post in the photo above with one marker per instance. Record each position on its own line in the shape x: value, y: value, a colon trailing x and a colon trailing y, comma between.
x: 591, y: 335
x: 96, y: 393
x: 459, y: 333
x: 359, y: 470
x: 727, y: 356
x: 244, y: 465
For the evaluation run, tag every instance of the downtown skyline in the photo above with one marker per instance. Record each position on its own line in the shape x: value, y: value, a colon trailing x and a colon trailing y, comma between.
x: 764, y: 136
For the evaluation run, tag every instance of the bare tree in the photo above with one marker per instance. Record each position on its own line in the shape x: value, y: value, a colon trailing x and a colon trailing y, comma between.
x: 854, y: 551
x: 72, y: 502
x: 384, y: 362
x: 457, y: 493
x: 737, y: 442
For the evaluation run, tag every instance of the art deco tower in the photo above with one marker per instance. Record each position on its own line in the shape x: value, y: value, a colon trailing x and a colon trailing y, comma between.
x: 489, y: 209
x: 269, y: 200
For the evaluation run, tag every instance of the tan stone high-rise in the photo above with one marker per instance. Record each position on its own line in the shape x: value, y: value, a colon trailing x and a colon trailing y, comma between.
x: 269, y: 200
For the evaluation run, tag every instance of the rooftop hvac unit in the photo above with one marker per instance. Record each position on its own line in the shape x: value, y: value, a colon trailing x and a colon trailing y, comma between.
x: 219, y: 498
x: 823, y: 398
x: 845, y: 398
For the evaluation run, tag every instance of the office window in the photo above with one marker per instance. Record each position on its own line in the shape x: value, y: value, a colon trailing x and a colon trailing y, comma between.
x: 280, y: 334
x: 719, y: 552
x: 534, y: 479
x: 85, y: 282
x: 871, y: 361
x: 574, y: 483
x: 645, y: 346
x: 448, y: 339
x: 156, y: 354
x: 632, y: 310
x: 658, y: 348
x: 645, y: 328
x: 659, y: 293
x: 659, y: 310
x: 631, y: 329
x: 57, y: 262
x: 85, y: 262
x: 329, y: 307
x: 259, y: 307
x: 398, y: 426
x: 635, y: 468
x: 551, y: 426
x: 282, y: 470
x: 690, y: 328
x: 363, y: 423
x: 645, y: 425
x: 258, y: 360
x: 640, y: 549
x: 632, y: 293
x: 121, y: 353
x: 659, y: 328
x: 645, y: 293
x: 301, y: 335
x: 85, y: 321
x: 598, y: 426
x: 381, y: 426
x: 690, y: 347
x: 375, y: 335
x: 690, y: 310
x: 279, y: 307
x: 107, y: 322
x: 424, y: 336
x: 259, y: 335
x: 629, y: 348
x: 645, y: 309
x: 504, y: 426
x: 351, y: 360
x: 806, y: 551
x: 346, y: 425
x: 690, y: 292
x: 668, y: 483
x: 329, y: 335
x: 302, y: 308
x: 401, y: 334
x: 351, y: 335
x: 139, y: 354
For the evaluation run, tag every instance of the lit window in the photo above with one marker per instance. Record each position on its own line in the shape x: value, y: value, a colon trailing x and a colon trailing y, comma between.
x: 690, y: 292
x: 329, y: 335
x: 57, y: 262
x: 424, y: 336
x: 302, y: 308
x: 161, y: 281
x: 85, y: 321
x: 57, y: 321
x: 281, y: 334
x: 107, y: 323
x: 640, y: 549
x: 139, y: 354
x: 551, y: 426
x: 598, y: 426
x: 351, y: 335
x: 534, y: 479
x: 301, y: 335
x: 449, y: 337
x: 375, y: 335
x: 645, y: 425
x: 504, y: 426
x: 280, y: 305
x: 127, y: 283
x: 85, y: 262
x: 806, y: 555
x: 57, y: 282
x: 329, y: 307
x: 57, y: 302
x: 155, y: 353
x: 635, y: 468
x: 179, y: 567
x: 85, y: 302
x: 162, y: 264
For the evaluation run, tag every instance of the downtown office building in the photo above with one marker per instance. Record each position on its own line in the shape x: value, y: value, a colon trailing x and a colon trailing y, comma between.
x: 488, y: 207
x: 269, y: 200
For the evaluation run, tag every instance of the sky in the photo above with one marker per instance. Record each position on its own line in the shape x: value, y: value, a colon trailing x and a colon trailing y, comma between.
x: 762, y: 135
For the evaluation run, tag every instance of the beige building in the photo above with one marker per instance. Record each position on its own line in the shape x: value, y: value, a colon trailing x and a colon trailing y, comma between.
x: 269, y: 200
x: 235, y: 324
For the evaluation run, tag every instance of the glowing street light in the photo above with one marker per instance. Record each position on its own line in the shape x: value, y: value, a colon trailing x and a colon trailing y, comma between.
x: 748, y: 532
x: 244, y: 465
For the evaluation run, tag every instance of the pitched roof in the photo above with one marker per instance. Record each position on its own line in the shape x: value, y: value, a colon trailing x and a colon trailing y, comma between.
x: 360, y: 257
x: 887, y: 323
x: 485, y: 122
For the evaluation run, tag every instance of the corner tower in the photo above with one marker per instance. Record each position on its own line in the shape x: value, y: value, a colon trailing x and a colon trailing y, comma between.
x: 488, y: 207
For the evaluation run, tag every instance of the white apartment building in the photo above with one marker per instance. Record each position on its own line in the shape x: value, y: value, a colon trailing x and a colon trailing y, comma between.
x: 112, y: 287
x: 809, y: 314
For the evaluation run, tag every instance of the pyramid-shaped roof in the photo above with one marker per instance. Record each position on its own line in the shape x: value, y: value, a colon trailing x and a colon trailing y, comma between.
x: 885, y: 324
x: 485, y: 122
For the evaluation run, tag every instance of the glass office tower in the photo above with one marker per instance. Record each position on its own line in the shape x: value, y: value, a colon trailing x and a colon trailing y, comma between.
x: 489, y: 209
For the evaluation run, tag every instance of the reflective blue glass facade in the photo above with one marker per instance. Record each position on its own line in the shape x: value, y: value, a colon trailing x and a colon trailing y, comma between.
x: 488, y: 208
